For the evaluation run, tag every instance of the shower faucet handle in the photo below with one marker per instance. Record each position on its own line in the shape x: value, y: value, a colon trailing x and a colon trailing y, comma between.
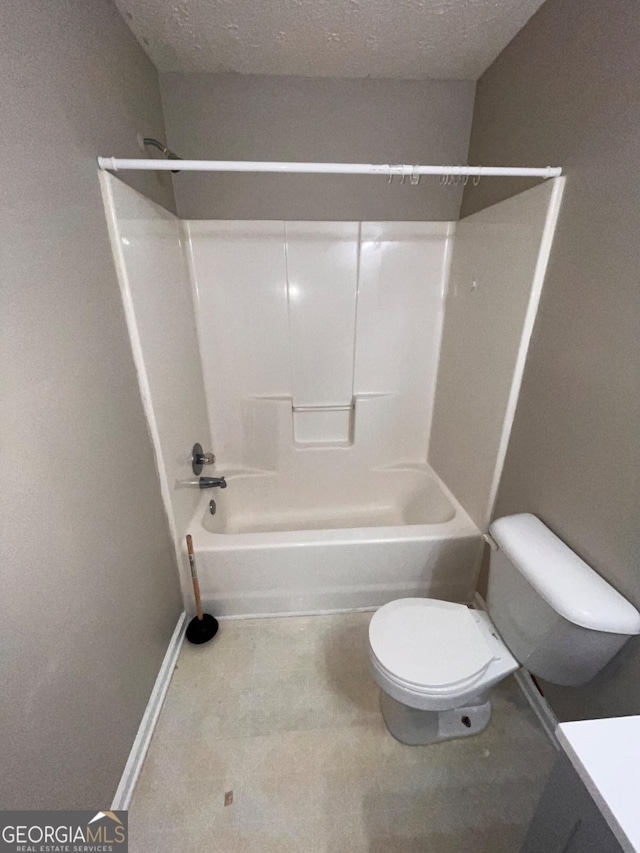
x: 200, y: 458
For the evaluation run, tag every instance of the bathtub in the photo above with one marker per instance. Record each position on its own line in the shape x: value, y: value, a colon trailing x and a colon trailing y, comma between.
x: 317, y: 545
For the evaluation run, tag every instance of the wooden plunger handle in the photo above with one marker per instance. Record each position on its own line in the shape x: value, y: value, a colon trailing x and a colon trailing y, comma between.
x: 194, y: 576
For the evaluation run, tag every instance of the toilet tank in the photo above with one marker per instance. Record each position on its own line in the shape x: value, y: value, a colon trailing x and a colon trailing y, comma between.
x: 559, y: 618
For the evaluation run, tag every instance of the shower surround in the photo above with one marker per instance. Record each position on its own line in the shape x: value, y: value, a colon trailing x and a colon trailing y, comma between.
x: 319, y: 341
x: 312, y: 350
x: 319, y: 345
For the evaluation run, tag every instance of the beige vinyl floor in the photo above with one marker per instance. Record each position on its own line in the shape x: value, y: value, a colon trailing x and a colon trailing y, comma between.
x: 280, y: 719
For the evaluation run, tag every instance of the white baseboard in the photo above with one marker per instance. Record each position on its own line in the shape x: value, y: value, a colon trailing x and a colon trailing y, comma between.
x: 285, y: 614
x: 140, y: 746
x: 539, y: 705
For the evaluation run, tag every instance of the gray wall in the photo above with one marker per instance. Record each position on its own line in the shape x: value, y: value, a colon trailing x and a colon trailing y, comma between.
x: 89, y: 587
x: 565, y: 92
x: 235, y: 117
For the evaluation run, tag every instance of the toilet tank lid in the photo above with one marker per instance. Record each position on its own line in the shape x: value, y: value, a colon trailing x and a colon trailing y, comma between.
x: 562, y: 578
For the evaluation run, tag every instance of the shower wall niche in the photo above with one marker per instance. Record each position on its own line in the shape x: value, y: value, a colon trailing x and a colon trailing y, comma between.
x: 319, y: 337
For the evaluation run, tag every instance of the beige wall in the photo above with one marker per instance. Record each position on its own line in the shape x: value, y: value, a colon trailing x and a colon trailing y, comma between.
x: 565, y: 92
x: 235, y: 117
x: 90, y: 593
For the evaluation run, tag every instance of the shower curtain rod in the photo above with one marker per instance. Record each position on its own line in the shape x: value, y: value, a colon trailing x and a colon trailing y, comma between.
x: 114, y: 164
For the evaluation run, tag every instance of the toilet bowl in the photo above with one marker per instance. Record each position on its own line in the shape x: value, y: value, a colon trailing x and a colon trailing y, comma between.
x: 440, y: 660
x: 436, y: 661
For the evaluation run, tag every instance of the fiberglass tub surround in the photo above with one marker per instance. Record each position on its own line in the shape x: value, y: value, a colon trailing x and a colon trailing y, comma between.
x: 318, y: 358
x: 320, y: 343
x: 319, y: 335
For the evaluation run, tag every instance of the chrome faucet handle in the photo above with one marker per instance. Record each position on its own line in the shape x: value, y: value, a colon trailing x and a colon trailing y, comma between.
x: 200, y: 458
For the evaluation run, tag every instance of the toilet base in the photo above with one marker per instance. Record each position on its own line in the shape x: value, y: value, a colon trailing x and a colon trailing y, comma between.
x: 414, y: 727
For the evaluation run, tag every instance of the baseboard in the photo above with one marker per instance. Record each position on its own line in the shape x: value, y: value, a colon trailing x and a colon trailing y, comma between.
x: 287, y: 613
x: 541, y: 708
x: 539, y: 705
x: 140, y: 746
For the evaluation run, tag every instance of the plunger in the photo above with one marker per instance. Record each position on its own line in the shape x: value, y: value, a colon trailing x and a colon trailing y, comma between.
x: 203, y: 627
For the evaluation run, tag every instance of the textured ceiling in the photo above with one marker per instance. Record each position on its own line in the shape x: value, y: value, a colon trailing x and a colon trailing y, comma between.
x: 455, y: 39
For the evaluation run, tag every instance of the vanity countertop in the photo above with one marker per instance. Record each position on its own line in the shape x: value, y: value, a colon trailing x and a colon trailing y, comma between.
x: 606, y: 756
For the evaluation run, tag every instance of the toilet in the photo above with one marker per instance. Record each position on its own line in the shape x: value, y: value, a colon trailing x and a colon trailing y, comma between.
x: 548, y: 611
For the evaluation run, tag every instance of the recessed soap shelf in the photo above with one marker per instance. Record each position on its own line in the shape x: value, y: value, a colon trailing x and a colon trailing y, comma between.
x: 319, y: 426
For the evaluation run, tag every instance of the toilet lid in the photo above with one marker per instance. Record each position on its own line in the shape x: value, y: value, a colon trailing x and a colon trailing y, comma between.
x: 429, y: 643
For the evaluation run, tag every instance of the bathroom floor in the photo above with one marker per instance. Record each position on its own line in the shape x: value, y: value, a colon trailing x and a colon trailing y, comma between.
x: 271, y: 739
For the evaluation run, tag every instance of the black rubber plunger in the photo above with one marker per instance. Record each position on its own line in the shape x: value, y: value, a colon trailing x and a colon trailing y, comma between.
x: 203, y: 627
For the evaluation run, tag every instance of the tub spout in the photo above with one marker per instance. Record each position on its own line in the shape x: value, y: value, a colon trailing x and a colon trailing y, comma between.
x: 206, y: 482
x: 212, y: 482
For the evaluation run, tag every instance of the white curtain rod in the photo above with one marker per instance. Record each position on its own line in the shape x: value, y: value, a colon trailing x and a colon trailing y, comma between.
x: 114, y: 164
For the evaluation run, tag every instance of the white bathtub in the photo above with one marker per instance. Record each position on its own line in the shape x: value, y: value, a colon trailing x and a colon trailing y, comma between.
x: 318, y: 544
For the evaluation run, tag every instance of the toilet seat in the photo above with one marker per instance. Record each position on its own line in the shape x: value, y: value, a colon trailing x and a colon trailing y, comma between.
x: 426, y: 691
x: 429, y: 646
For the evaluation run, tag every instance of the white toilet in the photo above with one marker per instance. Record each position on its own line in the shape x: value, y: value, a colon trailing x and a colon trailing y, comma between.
x: 548, y: 611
